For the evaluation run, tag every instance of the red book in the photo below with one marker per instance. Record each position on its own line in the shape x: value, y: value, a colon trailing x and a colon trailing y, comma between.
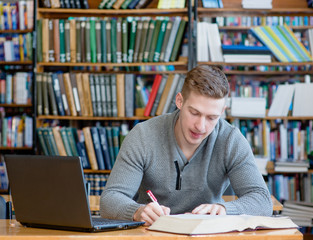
x: 154, y: 91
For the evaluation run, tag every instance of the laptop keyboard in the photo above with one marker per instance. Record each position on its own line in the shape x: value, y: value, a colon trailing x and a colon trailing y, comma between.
x: 104, y: 221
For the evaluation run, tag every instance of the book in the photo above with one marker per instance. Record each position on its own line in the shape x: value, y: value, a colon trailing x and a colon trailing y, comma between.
x: 154, y: 91
x: 129, y: 95
x: 69, y: 94
x: 98, y: 41
x: 164, y: 95
x: 178, y: 40
x: 87, y: 94
x: 90, y: 148
x: 248, y: 107
x: 120, y: 94
x: 192, y: 224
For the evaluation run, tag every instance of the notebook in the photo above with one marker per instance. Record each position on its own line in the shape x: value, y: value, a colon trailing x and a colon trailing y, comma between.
x: 50, y: 192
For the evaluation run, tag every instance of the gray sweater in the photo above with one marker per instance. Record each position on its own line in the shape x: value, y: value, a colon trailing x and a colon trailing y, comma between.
x: 147, y: 161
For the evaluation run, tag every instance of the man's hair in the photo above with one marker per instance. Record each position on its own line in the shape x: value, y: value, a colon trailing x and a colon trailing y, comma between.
x: 206, y: 80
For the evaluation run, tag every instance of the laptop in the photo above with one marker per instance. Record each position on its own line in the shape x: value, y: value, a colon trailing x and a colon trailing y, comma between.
x: 50, y: 192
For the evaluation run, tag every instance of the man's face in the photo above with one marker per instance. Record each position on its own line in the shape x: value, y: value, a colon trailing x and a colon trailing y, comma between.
x: 198, y: 117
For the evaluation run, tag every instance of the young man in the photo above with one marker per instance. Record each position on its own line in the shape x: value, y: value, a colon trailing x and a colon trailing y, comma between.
x: 187, y: 159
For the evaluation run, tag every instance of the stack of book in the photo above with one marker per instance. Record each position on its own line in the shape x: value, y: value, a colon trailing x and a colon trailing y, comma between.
x: 256, y: 4
x: 212, y: 4
x: 209, y: 47
x: 64, y: 4
x: 283, y: 43
x: 245, y: 54
x: 289, y: 165
x: 299, y: 212
x: 123, y: 4
x: 167, y: 4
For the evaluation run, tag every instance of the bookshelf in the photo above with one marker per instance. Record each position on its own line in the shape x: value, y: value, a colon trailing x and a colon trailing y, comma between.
x: 16, y: 68
x: 147, y: 70
x: 245, y: 75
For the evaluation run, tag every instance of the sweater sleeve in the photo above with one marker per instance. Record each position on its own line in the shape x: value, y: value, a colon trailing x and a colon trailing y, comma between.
x: 117, y: 199
x: 246, y: 180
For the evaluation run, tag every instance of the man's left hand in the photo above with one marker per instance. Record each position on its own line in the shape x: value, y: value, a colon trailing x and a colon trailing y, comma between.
x: 212, y: 209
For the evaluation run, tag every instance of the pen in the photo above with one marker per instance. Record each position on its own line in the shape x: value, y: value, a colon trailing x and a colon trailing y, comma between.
x: 152, y: 197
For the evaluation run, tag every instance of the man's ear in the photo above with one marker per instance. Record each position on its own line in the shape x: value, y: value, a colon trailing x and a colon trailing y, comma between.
x: 179, y: 100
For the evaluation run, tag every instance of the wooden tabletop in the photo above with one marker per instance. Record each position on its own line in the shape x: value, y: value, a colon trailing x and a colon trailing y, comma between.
x: 10, y: 229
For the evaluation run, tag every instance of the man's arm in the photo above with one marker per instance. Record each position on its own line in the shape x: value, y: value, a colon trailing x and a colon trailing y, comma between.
x: 245, y: 178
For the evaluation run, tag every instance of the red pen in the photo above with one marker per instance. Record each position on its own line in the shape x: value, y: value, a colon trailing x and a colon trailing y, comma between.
x: 152, y: 197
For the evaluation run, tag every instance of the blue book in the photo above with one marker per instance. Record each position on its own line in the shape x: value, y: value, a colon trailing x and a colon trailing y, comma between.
x: 82, y: 152
x: 97, y: 147
x: 57, y: 93
x: 116, y: 142
x: 105, y: 147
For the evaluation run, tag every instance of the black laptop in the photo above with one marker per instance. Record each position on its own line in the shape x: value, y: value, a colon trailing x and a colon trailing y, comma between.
x: 50, y: 192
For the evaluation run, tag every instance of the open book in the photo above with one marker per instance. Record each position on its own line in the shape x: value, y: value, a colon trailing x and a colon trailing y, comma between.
x: 208, y: 224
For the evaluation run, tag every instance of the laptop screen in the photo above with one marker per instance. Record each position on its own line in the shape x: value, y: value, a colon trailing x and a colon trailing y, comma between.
x: 48, y: 190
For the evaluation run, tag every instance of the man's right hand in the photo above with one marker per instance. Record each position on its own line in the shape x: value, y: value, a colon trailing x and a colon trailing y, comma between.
x: 150, y: 212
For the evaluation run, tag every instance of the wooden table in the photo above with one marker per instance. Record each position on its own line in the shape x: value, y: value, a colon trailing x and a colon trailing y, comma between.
x: 10, y: 229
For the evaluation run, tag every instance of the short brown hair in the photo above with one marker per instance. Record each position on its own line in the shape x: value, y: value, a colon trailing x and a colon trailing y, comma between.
x: 207, y: 80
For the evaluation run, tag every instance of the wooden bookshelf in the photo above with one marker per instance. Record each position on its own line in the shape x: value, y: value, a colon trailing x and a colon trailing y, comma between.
x: 47, y: 12
x: 16, y: 148
x: 16, y: 31
x: 182, y: 62
x: 12, y: 105
x: 16, y: 63
x: 251, y: 64
x: 43, y: 117
x: 268, y: 73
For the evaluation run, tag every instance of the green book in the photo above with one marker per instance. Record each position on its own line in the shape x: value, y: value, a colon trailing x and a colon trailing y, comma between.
x: 113, y: 40
x: 66, y: 141
x: 149, y: 40
x: 132, y: 39
x: 124, y: 39
x: 42, y: 142
x: 165, y: 40
x: 93, y: 42
x: 45, y: 99
x: 78, y: 42
x: 103, y: 3
x: 67, y: 40
x: 108, y: 37
x: 39, y: 94
x: 119, y: 40
x: 52, y: 142
x: 48, y: 142
x: 143, y: 39
x: 98, y: 41
x: 87, y: 42
x: 125, y: 4
x: 72, y: 138
x: 39, y: 40
x: 110, y: 4
x: 178, y: 40
x: 103, y: 41
x: 134, y: 58
x: 154, y: 39
x: 52, y: 101
x: 157, y: 52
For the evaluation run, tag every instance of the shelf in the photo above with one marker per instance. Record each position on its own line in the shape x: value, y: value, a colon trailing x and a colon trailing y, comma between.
x: 97, y: 171
x: 260, y: 64
x: 43, y: 117
x: 16, y: 63
x: 16, y: 31
x: 230, y: 118
x: 106, y: 12
x: 247, y: 12
x: 69, y: 64
x: 245, y: 28
x: 12, y: 105
x: 16, y: 148
x: 267, y: 73
x: 136, y: 72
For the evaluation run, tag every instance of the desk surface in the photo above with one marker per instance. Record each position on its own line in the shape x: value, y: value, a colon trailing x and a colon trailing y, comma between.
x: 10, y: 229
